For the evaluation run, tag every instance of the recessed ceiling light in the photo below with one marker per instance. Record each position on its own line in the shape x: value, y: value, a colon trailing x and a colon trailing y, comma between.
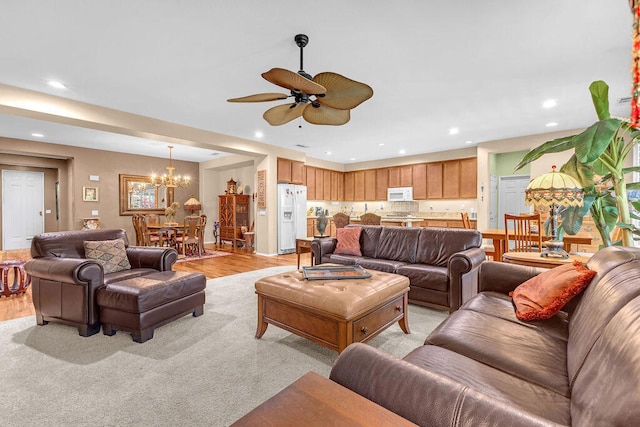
x: 37, y: 135
x: 549, y: 103
x: 328, y: 153
x: 403, y: 151
x: 352, y: 159
x: 381, y: 144
x: 551, y: 124
x: 454, y: 131
x: 468, y: 142
x: 258, y: 134
x: 56, y: 84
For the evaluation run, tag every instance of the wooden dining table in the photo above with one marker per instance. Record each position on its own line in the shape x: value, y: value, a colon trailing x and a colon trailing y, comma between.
x: 178, y: 231
x: 499, y: 240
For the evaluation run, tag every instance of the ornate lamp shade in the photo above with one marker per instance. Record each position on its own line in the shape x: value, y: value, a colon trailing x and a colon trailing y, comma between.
x: 192, y: 205
x: 554, y: 189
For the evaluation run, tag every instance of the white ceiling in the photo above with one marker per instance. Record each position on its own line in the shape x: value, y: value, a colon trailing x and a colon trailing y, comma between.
x: 484, y: 67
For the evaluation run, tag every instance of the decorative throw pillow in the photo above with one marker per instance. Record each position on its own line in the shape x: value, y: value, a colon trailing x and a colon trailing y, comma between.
x: 542, y: 296
x: 111, y: 254
x: 348, y: 241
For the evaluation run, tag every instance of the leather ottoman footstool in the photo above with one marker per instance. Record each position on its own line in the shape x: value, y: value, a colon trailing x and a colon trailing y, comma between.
x: 333, y: 313
x: 141, y: 304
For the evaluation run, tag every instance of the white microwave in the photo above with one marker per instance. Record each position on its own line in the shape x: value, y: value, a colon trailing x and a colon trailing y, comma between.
x: 400, y: 194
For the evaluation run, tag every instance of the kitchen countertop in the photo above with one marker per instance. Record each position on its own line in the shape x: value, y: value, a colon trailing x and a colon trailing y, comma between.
x: 454, y: 215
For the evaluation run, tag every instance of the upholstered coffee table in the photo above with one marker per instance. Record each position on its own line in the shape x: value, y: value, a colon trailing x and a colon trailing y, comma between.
x: 333, y: 313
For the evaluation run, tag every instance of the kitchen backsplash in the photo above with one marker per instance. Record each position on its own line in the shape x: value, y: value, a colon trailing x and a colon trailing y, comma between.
x: 385, y: 208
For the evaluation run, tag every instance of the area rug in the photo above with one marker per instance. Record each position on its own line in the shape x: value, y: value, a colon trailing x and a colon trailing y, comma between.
x: 206, y: 255
x: 204, y: 371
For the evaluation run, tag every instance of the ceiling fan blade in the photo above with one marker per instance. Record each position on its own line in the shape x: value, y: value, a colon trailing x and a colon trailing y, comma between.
x: 342, y: 92
x: 293, y: 81
x: 282, y: 114
x: 260, y: 97
x: 323, y: 115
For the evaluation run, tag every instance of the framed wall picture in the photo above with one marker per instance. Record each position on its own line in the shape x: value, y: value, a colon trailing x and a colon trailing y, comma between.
x: 262, y: 184
x: 89, y: 194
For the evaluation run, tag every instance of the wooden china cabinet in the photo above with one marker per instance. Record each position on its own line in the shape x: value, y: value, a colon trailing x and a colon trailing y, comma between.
x: 234, y: 214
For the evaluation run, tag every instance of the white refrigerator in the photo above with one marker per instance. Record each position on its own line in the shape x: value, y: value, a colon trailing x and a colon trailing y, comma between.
x: 292, y: 216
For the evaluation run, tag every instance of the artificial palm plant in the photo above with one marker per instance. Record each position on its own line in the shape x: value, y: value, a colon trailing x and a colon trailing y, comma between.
x: 600, y: 153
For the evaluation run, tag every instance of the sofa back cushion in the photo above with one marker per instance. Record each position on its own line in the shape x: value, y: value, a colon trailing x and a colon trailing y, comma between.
x: 369, y: 237
x: 398, y: 244
x: 70, y: 244
x: 436, y: 245
x: 614, y: 286
x: 606, y: 389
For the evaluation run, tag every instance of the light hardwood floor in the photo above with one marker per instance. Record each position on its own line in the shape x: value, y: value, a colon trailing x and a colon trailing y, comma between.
x: 240, y: 262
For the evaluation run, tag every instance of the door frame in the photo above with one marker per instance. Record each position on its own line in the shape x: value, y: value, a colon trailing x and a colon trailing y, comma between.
x: 11, y: 209
x: 502, y: 198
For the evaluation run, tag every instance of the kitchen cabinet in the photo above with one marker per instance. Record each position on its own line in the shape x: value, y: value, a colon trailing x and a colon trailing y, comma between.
x: 382, y: 183
x: 233, y: 214
x: 311, y: 183
x: 370, y: 184
x: 469, y: 178
x: 451, y: 173
x: 358, y: 188
x: 434, y: 180
x: 337, y: 186
x: 290, y: 171
x: 419, y: 179
x: 406, y: 176
x: 394, y: 177
x: 326, y: 177
x: 312, y: 231
x: 349, y: 186
x: 319, y: 184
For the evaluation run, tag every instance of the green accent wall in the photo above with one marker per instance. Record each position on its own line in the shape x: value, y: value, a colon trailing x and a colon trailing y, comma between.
x: 502, y: 164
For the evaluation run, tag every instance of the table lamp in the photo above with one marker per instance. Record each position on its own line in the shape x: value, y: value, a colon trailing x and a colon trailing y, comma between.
x: 192, y: 205
x: 554, y: 189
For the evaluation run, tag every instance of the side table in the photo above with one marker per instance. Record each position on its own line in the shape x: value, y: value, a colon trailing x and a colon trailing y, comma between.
x: 303, y: 246
x: 314, y: 400
x: 533, y: 259
x: 20, y: 281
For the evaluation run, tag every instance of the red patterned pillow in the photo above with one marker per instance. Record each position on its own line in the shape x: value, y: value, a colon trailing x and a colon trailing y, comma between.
x: 542, y: 296
x: 348, y: 241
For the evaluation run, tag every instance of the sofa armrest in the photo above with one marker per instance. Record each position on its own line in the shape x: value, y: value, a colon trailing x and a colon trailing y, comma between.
x: 423, y: 397
x: 323, y: 247
x: 161, y: 259
x: 66, y: 270
x: 503, y: 277
x: 463, y: 268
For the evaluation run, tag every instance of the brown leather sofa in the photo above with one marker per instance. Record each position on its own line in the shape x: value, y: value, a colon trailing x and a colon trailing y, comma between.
x: 483, y: 366
x: 65, y: 283
x: 441, y: 263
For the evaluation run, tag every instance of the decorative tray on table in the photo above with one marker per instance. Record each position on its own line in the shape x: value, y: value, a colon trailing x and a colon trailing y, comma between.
x: 335, y: 272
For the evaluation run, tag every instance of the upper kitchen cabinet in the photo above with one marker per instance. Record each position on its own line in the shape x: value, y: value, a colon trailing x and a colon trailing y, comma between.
x: 319, y: 184
x: 394, y: 177
x: 337, y: 186
x: 434, y: 180
x: 460, y: 178
x: 406, y: 176
x: 358, y: 188
x: 311, y: 183
x: 326, y: 176
x: 349, y: 186
x: 419, y: 180
x: 382, y: 183
x: 469, y: 178
x: 370, y: 184
x: 290, y: 171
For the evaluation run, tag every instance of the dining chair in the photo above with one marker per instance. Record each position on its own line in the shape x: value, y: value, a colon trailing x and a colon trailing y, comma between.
x: 524, y: 231
x: 489, y: 250
x: 148, y: 239
x: 190, y: 238
x: 370, y: 219
x: 203, y: 224
x: 466, y: 222
x: 340, y: 220
x: 135, y: 219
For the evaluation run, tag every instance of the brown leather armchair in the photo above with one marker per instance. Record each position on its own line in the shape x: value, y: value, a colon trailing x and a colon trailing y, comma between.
x: 64, y: 282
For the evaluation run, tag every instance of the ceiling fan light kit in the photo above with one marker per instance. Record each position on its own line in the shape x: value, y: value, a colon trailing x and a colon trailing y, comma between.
x: 325, y: 99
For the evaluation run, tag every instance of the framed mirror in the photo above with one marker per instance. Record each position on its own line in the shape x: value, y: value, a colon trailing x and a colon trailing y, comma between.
x: 139, y: 195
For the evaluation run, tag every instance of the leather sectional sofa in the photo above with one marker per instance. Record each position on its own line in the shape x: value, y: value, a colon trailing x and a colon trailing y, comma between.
x: 441, y: 263
x: 483, y: 366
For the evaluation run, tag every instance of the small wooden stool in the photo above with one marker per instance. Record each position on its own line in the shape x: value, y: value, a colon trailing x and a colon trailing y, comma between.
x: 20, y: 281
x: 248, y: 241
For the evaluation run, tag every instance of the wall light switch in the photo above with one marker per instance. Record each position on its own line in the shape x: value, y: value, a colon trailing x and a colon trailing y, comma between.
x: 94, y: 178
x: 47, y: 211
x: 262, y: 213
x: 94, y: 212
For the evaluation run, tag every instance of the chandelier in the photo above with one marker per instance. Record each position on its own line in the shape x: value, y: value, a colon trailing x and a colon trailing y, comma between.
x: 169, y: 180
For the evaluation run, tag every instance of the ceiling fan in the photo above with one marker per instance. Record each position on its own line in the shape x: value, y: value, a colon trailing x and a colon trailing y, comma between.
x: 325, y: 99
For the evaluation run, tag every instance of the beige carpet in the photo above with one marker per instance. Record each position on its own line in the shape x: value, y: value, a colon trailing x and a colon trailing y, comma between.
x: 205, y: 371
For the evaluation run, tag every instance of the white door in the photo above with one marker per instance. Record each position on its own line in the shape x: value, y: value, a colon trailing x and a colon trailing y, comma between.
x: 493, y: 201
x: 511, y: 197
x: 22, y: 208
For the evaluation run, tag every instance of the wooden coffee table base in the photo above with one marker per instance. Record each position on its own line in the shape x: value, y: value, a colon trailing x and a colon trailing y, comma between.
x: 327, y: 329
